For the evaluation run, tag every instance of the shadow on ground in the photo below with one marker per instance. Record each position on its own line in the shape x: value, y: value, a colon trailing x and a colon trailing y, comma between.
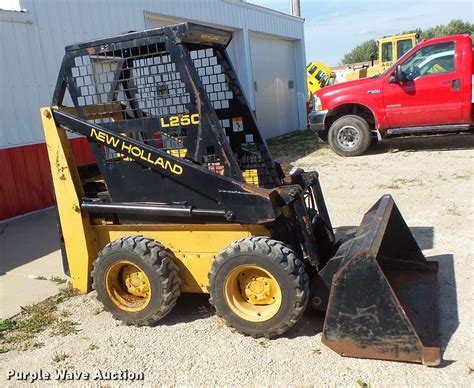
x: 296, y: 145
x: 191, y: 307
x: 27, y: 239
x: 443, y: 142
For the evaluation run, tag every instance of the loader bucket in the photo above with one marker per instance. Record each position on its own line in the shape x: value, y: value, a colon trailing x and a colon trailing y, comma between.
x: 382, y: 302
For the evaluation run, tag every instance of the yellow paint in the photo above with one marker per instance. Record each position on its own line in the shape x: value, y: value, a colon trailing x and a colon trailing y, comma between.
x: 178, y: 152
x: 388, y: 50
x: 81, y: 244
x: 318, y: 75
x: 134, y: 151
x: 127, y: 286
x: 251, y: 176
x: 180, y: 120
x: 252, y: 293
x: 195, y: 246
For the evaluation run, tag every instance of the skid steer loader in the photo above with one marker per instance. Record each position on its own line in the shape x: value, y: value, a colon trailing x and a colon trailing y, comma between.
x: 185, y: 197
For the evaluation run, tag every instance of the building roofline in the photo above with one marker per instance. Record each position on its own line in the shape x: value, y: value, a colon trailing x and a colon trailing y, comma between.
x: 261, y: 8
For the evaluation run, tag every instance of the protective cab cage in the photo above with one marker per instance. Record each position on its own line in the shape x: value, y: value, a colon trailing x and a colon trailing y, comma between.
x: 174, y: 138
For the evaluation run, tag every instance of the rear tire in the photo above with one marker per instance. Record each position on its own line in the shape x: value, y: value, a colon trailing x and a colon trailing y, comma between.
x: 259, y: 287
x: 136, y: 280
x: 350, y: 136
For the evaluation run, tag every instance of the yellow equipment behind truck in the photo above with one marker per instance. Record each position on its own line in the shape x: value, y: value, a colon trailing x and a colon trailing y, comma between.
x: 185, y: 197
x: 318, y: 75
x: 390, y: 49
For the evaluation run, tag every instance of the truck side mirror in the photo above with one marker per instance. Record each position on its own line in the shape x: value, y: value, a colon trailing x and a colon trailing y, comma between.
x: 397, y: 76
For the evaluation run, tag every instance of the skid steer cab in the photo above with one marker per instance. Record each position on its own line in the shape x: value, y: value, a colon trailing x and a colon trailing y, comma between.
x: 185, y: 197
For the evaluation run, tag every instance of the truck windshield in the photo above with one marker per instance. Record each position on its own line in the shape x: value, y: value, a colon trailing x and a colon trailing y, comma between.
x: 403, y: 46
x: 392, y: 65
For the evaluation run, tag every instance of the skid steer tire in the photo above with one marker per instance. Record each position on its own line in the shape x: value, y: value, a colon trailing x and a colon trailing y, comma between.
x: 259, y: 287
x: 136, y: 280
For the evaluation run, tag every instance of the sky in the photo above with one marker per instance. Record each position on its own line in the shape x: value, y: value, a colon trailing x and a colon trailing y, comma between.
x: 334, y: 27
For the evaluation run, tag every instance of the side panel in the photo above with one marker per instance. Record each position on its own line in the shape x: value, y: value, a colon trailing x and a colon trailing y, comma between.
x: 81, y: 246
x: 195, y: 246
x: 26, y: 177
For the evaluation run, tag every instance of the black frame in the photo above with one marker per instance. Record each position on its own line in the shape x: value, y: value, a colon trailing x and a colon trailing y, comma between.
x: 149, y: 187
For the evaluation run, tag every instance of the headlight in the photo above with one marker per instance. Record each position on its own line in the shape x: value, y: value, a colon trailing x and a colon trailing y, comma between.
x: 317, y: 103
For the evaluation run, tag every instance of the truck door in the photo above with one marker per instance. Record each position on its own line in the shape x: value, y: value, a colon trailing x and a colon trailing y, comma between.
x: 431, y: 93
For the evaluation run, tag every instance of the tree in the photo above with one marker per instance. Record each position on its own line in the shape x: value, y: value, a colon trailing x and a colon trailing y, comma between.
x: 454, y: 27
x: 361, y: 53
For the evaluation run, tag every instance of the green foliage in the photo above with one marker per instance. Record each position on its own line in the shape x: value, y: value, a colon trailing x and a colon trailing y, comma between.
x: 18, y: 333
x: 295, y: 144
x: 454, y: 27
x: 363, y: 51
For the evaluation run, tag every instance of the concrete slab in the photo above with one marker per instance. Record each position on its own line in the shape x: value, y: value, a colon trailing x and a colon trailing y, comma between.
x: 29, y: 248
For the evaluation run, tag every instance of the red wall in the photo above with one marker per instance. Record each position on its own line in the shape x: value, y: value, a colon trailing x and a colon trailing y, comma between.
x: 25, y: 177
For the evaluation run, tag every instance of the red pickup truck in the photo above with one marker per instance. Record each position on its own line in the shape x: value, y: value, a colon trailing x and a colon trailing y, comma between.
x: 428, y: 90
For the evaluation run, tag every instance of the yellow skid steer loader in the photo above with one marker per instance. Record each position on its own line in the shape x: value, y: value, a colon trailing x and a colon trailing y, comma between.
x: 185, y: 197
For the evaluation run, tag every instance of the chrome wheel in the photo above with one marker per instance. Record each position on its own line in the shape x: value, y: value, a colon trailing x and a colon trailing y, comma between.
x: 348, y: 137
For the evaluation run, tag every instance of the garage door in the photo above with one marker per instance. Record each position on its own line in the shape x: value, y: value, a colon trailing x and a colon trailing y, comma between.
x: 273, y: 67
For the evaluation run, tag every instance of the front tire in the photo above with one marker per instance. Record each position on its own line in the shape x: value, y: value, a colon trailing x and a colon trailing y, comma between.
x: 136, y: 280
x: 350, y: 136
x: 259, y: 287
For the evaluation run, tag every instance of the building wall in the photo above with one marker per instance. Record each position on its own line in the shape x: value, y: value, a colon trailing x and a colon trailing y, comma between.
x: 35, y: 41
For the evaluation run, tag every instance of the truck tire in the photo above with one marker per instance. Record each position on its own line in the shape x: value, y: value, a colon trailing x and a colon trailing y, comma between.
x: 259, y: 287
x: 136, y: 280
x: 350, y: 136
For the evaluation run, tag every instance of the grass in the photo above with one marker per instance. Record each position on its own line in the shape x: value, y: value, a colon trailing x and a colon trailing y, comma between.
x: 57, y: 280
x: 362, y: 384
x: 461, y: 176
x: 317, y: 351
x: 98, y: 310
x: 64, y: 327
x: 453, y: 210
x: 93, y: 347
x: 397, y: 184
x: 295, y: 144
x: 59, y: 357
x: 390, y: 186
x: 18, y: 332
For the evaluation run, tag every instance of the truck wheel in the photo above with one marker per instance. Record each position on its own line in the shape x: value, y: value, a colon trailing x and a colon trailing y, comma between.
x: 258, y: 286
x: 136, y: 280
x: 350, y: 136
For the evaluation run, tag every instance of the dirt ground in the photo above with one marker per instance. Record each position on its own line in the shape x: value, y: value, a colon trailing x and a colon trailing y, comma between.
x: 431, y: 180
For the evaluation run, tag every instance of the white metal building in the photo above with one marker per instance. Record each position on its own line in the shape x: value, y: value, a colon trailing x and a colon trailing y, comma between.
x: 267, y: 51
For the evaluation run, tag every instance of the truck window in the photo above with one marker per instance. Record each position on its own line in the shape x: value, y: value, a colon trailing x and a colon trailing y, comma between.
x: 319, y: 74
x: 433, y: 59
x: 312, y: 70
x: 403, y: 46
x: 387, y: 52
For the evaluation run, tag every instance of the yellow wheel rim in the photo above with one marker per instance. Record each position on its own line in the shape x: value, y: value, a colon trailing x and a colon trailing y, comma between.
x: 252, y: 293
x: 127, y: 286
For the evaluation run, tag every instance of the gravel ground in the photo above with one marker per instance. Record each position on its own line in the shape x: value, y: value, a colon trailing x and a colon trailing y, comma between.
x: 431, y: 180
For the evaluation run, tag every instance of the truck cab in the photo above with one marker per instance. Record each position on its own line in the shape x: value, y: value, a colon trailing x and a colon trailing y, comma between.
x: 390, y: 49
x: 318, y: 75
x: 429, y: 89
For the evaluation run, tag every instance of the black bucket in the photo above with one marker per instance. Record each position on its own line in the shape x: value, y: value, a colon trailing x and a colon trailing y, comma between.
x: 382, y: 301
